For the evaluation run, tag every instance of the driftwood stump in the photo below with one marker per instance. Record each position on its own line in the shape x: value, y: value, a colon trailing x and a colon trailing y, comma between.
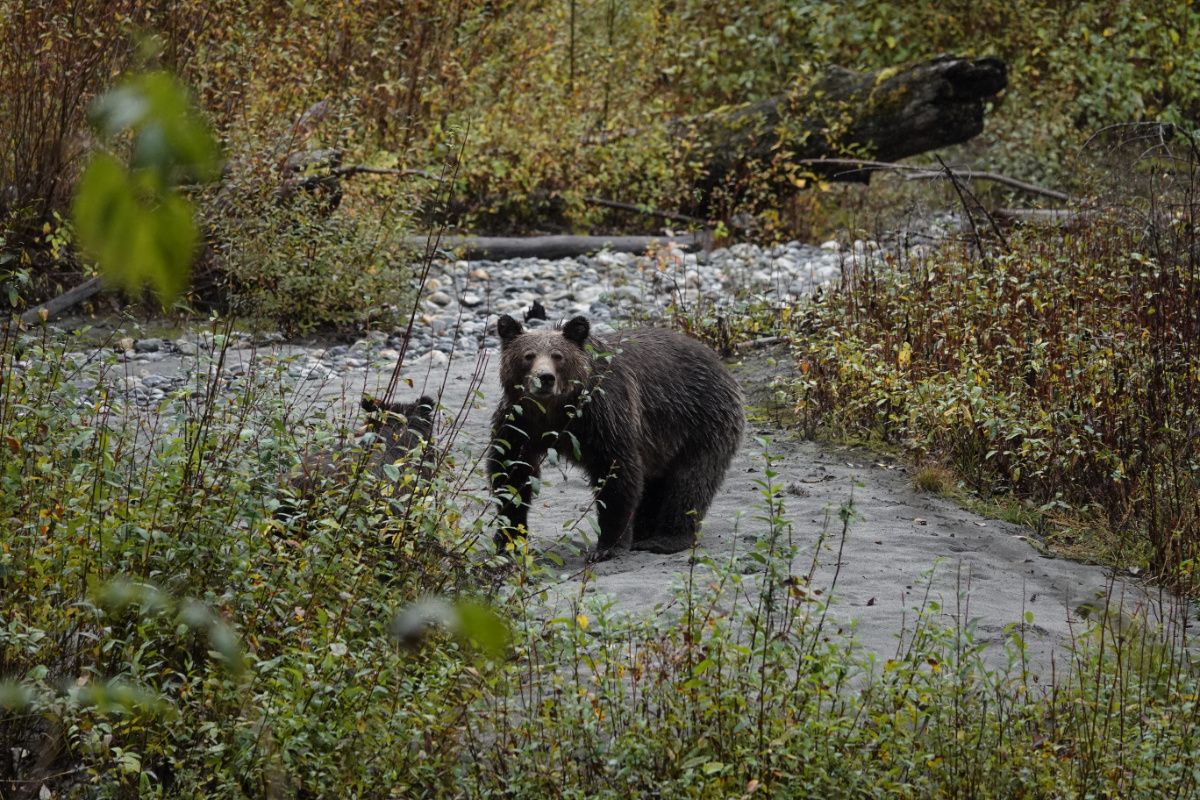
x: 886, y: 115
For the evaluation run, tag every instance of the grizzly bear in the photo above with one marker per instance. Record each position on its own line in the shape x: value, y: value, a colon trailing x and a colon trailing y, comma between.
x: 393, y: 433
x: 651, y: 416
x: 402, y: 431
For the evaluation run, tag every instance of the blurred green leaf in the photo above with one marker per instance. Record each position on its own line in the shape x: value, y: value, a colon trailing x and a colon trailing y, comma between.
x: 132, y: 221
x: 470, y: 620
x: 135, y: 238
x: 483, y: 627
x: 169, y: 135
x: 14, y: 697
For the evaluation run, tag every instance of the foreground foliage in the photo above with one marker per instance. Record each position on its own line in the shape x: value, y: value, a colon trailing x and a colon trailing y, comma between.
x: 162, y: 633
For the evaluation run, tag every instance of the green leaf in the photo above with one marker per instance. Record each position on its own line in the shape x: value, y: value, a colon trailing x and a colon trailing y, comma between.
x: 169, y: 135
x: 483, y: 627
x: 132, y: 222
x: 136, y: 241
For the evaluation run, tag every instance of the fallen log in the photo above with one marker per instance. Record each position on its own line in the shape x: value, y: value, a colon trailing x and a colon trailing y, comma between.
x: 1050, y: 217
x: 499, y: 247
x: 72, y: 297
x: 761, y: 149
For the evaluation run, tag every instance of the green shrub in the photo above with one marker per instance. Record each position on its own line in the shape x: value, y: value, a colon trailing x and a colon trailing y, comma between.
x: 302, y: 270
x: 1060, y: 370
x: 162, y: 635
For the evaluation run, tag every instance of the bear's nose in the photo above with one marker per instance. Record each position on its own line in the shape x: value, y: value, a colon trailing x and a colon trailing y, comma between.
x: 546, y: 379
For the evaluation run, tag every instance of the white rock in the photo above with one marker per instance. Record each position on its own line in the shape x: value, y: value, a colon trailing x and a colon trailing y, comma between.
x: 434, y: 358
x: 831, y: 245
x: 589, y: 294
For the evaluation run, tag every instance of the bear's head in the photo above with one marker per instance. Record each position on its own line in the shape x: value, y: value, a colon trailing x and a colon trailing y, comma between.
x: 549, y: 365
x: 399, y: 426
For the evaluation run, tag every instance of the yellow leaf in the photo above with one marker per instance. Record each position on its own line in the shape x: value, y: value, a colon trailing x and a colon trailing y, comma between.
x: 582, y: 621
x: 905, y: 355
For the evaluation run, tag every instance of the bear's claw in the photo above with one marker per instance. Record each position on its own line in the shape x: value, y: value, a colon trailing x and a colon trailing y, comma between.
x: 598, y: 554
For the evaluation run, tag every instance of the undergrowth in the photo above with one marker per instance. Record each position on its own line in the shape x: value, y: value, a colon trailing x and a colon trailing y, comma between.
x: 1051, y: 366
x: 165, y: 632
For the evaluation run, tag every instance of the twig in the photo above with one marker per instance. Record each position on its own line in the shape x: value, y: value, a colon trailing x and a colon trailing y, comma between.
x: 917, y: 172
x: 359, y: 169
x: 646, y: 210
x: 963, y: 194
x: 962, y: 198
x: 754, y: 344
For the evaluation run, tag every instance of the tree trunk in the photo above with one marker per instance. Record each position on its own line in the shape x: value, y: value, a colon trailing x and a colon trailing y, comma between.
x: 72, y: 297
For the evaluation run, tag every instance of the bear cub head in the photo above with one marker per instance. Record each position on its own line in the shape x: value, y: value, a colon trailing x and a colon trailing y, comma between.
x: 550, y: 366
x: 399, y: 427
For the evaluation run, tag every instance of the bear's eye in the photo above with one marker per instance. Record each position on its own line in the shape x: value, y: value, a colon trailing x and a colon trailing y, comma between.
x: 557, y: 356
x: 529, y: 356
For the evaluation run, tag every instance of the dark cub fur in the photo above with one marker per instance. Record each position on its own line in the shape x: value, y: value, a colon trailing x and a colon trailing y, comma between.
x: 652, y: 416
x: 400, y: 432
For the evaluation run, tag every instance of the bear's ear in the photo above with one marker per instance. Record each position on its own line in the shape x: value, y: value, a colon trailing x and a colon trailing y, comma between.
x: 577, y: 329
x: 508, y: 328
x: 425, y: 406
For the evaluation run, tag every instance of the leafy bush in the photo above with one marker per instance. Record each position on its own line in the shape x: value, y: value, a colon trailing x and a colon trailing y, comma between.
x: 1058, y: 367
x: 137, y: 684
x: 53, y: 63
x: 301, y: 271
x: 530, y: 87
x: 161, y: 635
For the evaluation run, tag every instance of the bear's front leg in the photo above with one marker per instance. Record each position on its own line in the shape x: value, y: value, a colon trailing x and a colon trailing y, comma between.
x: 512, y: 475
x: 617, y: 500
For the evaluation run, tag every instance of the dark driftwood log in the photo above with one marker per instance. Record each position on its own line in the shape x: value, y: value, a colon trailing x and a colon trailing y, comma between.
x: 52, y: 308
x: 887, y: 115
x: 499, y: 247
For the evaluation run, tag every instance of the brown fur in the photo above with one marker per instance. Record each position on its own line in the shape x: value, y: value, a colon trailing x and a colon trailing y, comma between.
x: 400, y: 432
x: 652, y: 416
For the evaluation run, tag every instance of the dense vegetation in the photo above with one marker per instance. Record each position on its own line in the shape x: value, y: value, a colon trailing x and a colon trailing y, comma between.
x: 517, y: 89
x: 165, y: 631
x: 175, y: 638
x: 1054, y: 366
